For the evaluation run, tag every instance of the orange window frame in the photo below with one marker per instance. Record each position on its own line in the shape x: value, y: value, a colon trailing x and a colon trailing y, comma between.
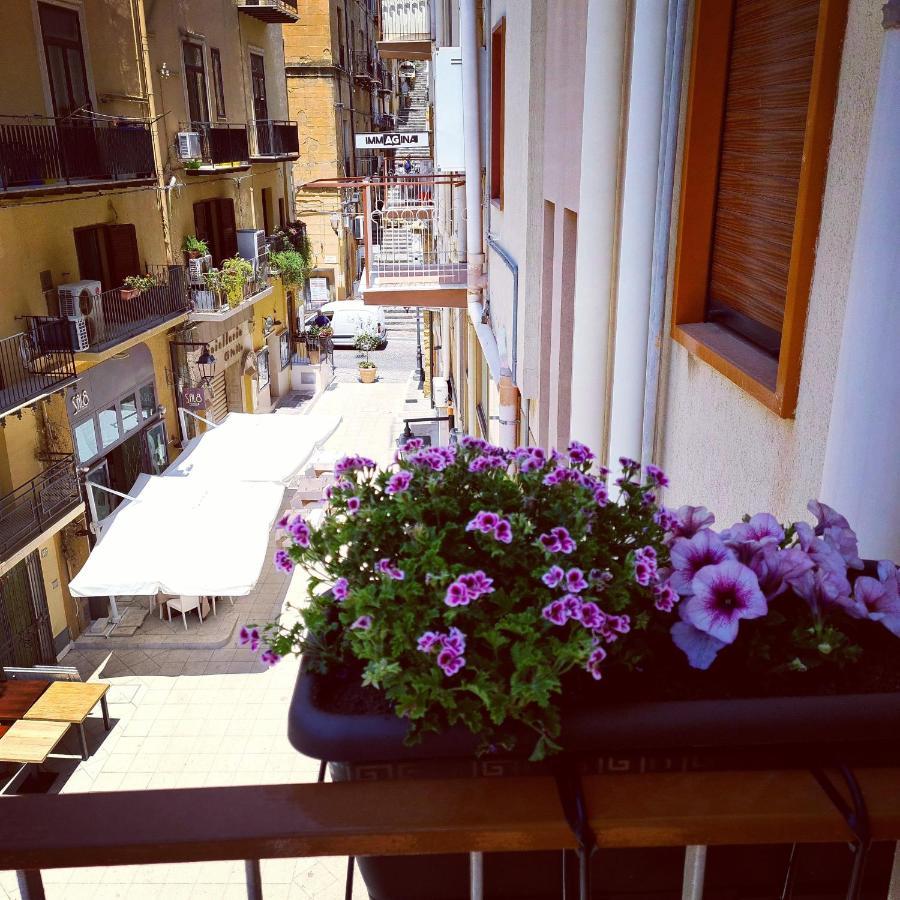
x: 498, y: 109
x: 773, y: 383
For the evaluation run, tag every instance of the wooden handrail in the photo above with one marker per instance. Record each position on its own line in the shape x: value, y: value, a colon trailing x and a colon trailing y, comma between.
x: 429, y: 816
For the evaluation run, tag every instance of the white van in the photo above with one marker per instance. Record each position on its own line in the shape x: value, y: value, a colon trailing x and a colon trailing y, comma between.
x: 349, y: 318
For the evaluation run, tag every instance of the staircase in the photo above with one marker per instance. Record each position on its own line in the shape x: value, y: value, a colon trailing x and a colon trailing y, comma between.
x: 416, y: 117
x: 401, y: 323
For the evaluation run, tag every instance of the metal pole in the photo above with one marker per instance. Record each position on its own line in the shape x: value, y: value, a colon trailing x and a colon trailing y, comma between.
x: 476, y: 876
x: 694, y: 872
x: 420, y: 370
x: 31, y: 887
x: 253, y: 878
x: 894, y: 886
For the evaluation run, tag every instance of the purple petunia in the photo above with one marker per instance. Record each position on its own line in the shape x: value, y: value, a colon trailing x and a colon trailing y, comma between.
x: 398, y: 482
x: 690, y: 555
x: 386, y: 567
x: 836, y: 531
x: 283, y: 562
x: 352, y: 463
x: 699, y: 647
x: 688, y: 520
x: 363, y: 623
x: 776, y: 568
x: 557, y: 540
x: 352, y: 505
x: 657, y: 476
x: 248, y: 637
x: 269, y: 657
x: 745, y: 538
x: 724, y: 594
x: 340, y: 589
x: 579, y: 453
x: 880, y: 597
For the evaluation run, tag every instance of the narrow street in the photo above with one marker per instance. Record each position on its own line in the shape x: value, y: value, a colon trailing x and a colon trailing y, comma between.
x: 195, y: 717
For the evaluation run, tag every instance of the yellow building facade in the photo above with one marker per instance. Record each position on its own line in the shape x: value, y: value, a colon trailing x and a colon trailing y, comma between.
x: 125, y: 128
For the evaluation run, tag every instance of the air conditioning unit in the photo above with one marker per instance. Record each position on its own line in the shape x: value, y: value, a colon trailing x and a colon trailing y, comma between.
x: 189, y: 144
x: 78, y: 331
x: 251, y: 245
x: 79, y: 298
x: 359, y: 231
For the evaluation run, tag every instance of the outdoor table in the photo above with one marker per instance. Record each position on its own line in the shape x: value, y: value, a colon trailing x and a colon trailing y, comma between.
x: 70, y: 702
x: 31, y: 742
x: 16, y: 697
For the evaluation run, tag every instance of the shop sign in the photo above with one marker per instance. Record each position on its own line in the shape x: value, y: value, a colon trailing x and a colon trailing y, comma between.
x: 81, y: 400
x: 391, y: 139
x: 193, y: 398
x: 227, y: 347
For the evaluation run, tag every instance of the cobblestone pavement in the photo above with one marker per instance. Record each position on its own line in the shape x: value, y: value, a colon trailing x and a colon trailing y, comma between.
x: 212, y: 717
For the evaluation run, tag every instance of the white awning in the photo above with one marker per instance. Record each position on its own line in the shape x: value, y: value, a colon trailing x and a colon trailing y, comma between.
x: 183, y: 536
x: 248, y: 447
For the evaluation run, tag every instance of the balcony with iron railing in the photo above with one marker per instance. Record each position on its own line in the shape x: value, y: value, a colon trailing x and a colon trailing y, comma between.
x: 222, y: 145
x: 96, y: 322
x: 412, y: 228
x: 39, y: 154
x: 274, y: 139
x: 693, y: 811
x: 363, y: 66
x: 405, y: 29
x: 213, y: 299
x: 34, y: 364
x: 271, y: 11
x: 35, y: 507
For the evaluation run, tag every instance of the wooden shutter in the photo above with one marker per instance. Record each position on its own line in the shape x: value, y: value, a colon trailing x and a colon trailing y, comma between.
x: 202, y: 225
x: 228, y: 229
x: 765, y: 112
x: 122, y: 254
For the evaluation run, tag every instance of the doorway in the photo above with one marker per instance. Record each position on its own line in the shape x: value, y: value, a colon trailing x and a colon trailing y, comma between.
x: 25, y: 637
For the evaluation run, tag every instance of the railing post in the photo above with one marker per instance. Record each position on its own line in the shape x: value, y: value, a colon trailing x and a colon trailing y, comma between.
x: 31, y: 886
x: 254, y: 879
x: 694, y: 872
x: 367, y: 233
x: 476, y: 876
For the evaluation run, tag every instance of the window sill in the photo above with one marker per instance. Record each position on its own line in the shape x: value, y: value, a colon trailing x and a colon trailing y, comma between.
x: 741, y: 362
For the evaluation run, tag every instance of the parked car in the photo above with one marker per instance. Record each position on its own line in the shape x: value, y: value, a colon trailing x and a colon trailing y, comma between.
x: 349, y: 318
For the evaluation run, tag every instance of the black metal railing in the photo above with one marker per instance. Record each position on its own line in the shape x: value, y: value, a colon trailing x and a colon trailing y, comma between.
x: 406, y: 20
x: 34, y: 362
x: 222, y: 143
x: 34, y: 506
x: 276, y: 138
x: 115, y: 315
x: 206, y: 298
x: 284, y: 11
x: 363, y: 65
x: 41, y: 152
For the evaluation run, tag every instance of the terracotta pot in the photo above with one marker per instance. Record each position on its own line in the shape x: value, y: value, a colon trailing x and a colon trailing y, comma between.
x: 368, y: 374
x: 128, y: 293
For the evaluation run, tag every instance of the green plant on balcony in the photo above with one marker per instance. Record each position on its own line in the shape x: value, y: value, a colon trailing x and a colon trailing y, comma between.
x: 293, y: 267
x: 133, y: 285
x: 193, y: 164
x: 194, y: 247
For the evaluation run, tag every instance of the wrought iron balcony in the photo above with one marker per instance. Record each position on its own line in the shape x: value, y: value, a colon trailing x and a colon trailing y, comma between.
x: 209, y: 302
x: 283, y: 11
x: 38, y: 153
x: 97, y: 322
x: 363, y: 66
x: 405, y: 29
x: 223, y: 145
x: 474, y: 816
x: 34, y: 363
x: 275, y: 139
x: 34, y: 507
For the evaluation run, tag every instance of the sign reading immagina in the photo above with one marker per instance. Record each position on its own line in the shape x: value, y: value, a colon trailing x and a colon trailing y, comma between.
x: 392, y: 139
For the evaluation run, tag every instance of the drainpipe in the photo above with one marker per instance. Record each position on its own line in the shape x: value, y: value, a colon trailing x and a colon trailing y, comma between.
x: 860, y: 476
x: 640, y: 192
x: 664, y: 191
x: 597, y: 213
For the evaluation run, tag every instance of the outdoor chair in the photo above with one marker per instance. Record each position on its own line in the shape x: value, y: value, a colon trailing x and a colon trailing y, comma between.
x: 184, y: 605
x: 212, y: 602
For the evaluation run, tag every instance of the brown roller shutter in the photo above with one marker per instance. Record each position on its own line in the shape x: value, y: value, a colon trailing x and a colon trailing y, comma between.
x: 122, y: 253
x: 765, y: 112
x: 227, y: 225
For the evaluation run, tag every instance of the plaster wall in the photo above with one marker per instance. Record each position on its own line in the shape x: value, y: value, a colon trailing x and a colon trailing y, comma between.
x: 719, y: 446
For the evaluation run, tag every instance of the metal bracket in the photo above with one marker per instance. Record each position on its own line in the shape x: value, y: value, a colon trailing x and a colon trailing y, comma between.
x: 570, y: 790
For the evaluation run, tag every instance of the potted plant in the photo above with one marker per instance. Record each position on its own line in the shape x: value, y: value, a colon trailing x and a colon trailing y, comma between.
x: 193, y: 247
x: 473, y: 602
x: 315, y: 335
x: 291, y: 266
x: 236, y: 273
x: 133, y: 285
x: 366, y: 342
x: 193, y: 165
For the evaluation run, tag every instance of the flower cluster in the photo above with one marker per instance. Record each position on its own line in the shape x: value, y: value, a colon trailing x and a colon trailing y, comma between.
x: 558, y: 540
x: 349, y: 464
x: 449, y: 647
x: 386, y: 567
x: 435, y: 458
x: 491, y: 523
x: 467, y: 588
x: 250, y: 637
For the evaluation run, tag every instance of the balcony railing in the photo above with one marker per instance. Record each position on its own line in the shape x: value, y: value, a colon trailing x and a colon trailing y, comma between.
x: 406, y: 20
x: 474, y: 816
x: 116, y: 315
x: 38, y: 153
x: 33, y: 507
x: 207, y: 303
x: 363, y: 66
x: 275, y: 139
x: 284, y: 11
x: 34, y: 363
x: 222, y: 144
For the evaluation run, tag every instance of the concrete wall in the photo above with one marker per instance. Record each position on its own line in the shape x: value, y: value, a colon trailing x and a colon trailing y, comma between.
x: 719, y: 446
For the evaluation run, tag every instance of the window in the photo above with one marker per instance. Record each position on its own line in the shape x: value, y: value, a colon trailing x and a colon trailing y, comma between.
x: 266, y: 199
x: 761, y: 100
x: 218, y: 86
x: 156, y: 448
x: 214, y: 223
x: 284, y: 348
x: 282, y: 217
x: 258, y: 85
x: 498, y: 66
x: 195, y: 82
x: 129, y: 408
x: 107, y: 253
x: 340, y: 37
x: 110, y: 429
x: 86, y: 440
x: 64, y: 55
x: 148, y: 401
x: 262, y: 364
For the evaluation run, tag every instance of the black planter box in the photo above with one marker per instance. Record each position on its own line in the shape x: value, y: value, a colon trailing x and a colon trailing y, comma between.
x: 628, y: 737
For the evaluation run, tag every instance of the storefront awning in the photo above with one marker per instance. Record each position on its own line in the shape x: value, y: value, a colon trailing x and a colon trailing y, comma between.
x: 183, y: 536
x: 249, y: 447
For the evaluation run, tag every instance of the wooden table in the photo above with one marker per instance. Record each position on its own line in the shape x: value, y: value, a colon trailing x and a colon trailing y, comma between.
x: 16, y: 697
x: 70, y: 702
x: 31, y: 742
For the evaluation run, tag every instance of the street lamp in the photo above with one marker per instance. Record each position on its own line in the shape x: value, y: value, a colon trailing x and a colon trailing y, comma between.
x: 206, y: 363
